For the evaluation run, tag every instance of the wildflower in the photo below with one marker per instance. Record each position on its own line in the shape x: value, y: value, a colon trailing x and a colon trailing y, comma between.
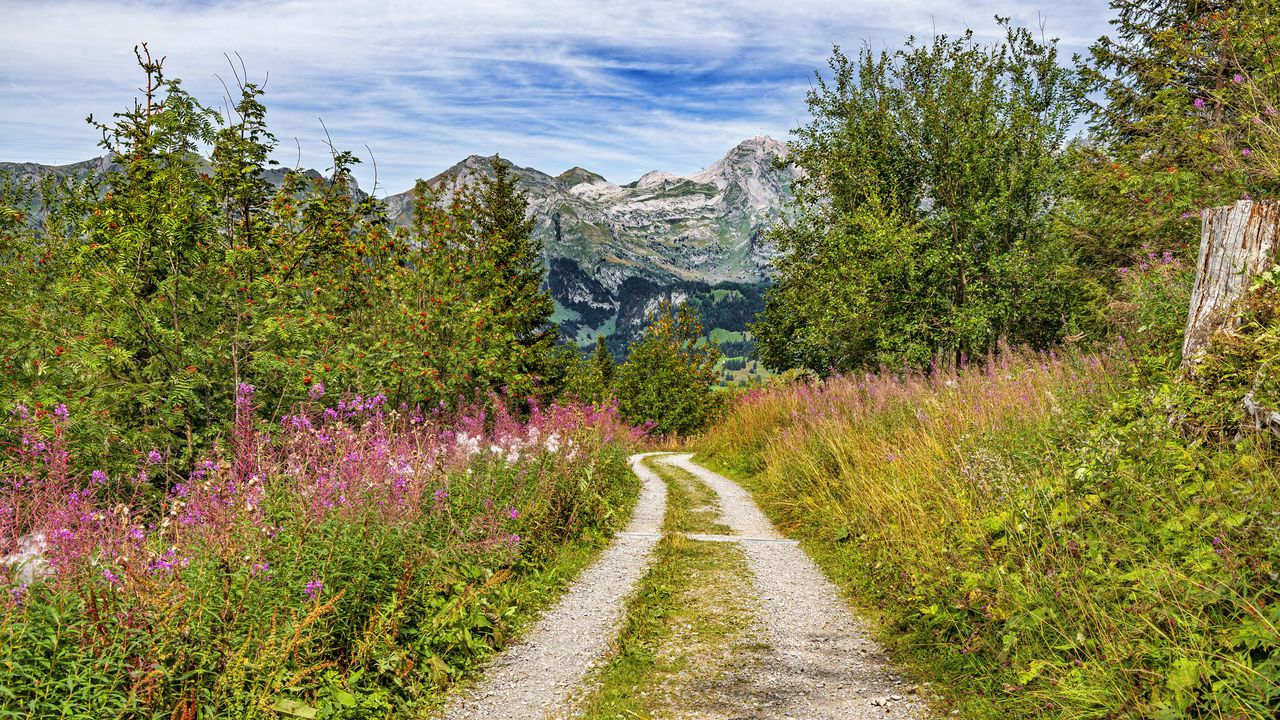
x: 97, y: 477
x: 60, y: 412
x: 314, y: 588
x: 110, y: 577
x: 316, y: 392
x: 18, y: 595
x: 260, y: 570
x: 154, y: 457
x: 1246, y: 152
x: 1199, y: 103
x: 513, y: 513
x: 513, y: 540
x: 1237, y: 78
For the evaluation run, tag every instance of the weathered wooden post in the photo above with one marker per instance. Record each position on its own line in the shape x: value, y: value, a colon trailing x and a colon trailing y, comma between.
x: 1236, y: 242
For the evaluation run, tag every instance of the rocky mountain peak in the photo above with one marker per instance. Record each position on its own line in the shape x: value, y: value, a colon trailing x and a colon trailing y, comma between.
x: 577, y: 175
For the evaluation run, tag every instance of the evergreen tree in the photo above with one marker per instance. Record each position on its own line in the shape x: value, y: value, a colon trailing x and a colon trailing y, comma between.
x: 596, y: 377
x: 603, y: 364
x: 506, y: 245
x: 1181, y: 101
x: 669, y: 376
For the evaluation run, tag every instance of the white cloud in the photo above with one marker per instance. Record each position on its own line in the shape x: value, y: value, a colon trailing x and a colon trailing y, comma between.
x: 618, y: 87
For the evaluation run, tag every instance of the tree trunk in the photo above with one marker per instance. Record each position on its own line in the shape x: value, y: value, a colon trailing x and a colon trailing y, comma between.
x: 1236, y: 242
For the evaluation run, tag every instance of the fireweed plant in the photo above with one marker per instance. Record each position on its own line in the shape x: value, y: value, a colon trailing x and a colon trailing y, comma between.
x: 348, y: 562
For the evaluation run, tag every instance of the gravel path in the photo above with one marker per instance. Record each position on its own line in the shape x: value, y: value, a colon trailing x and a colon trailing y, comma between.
x: 534, y: 678
x: 820, y: 665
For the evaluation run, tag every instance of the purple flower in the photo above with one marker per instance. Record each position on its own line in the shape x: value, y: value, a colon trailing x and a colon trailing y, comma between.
x: 1123, y: 271
x: 316, y: 392
x: 97, y: 477
x: 18, y: 595
x: 1199, y: 103
x: 110, y: 577
x: 166, y: 563
x: 260, y: 570
x: 60, y: 412
x: 513, y: 513
x: 1246, y: 152
x: 513, y: 540
x: 154, y: 457
x: 314, y: 588
x: 1237, y: 78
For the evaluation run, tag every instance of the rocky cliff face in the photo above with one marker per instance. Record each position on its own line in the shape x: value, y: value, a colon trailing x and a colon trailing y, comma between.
x: 613, y: 251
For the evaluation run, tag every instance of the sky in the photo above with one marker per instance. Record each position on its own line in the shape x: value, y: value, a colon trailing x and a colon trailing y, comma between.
x: 619, y: 88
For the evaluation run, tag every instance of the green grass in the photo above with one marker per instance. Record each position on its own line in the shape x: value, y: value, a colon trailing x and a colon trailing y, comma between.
x: 692, y: 506
x: 686, y: 643
x: 1039, y: 538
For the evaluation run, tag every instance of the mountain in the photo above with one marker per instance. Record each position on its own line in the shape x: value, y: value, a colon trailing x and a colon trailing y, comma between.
x: 614, y: 251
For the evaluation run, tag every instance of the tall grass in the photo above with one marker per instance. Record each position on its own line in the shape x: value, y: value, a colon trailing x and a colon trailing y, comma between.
x: 1033, y: 532
x: 351, y: 562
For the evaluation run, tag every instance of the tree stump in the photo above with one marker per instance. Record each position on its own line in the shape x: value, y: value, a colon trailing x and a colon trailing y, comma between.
x: 1236, y: 242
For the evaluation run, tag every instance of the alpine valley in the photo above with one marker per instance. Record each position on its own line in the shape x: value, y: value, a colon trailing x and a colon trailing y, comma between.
x: 614, y: 251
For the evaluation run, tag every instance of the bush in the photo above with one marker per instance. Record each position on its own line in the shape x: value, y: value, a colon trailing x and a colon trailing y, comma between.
x: 668, y: 378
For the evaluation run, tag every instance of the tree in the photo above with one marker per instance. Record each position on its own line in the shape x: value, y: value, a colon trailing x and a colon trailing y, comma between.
x: 922, y: 225
x: 669, y: 374
x: 506, y: 245
x: 596, y: 376
x: 602, y: 363
x: 144, y: 303
x: 1181, y: 100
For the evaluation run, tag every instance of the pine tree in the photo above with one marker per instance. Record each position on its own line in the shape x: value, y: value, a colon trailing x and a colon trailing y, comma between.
x: 507, y: 247
x: 597, y: 374
x: 603, y: 365
x: 1181, y: 99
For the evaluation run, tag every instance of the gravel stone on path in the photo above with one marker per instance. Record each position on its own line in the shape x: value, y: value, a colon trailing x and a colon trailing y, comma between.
x: 821, y: 664
x: 536, y: 677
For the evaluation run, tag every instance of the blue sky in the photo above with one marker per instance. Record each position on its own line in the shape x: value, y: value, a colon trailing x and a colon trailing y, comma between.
x: 620, y: 88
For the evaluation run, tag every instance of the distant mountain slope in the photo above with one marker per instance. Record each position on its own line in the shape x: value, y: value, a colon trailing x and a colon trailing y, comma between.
x: 681, y: 235
x: 613, y: 251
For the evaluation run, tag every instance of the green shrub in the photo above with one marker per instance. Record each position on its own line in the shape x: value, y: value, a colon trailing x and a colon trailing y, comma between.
x: 668, y: 378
